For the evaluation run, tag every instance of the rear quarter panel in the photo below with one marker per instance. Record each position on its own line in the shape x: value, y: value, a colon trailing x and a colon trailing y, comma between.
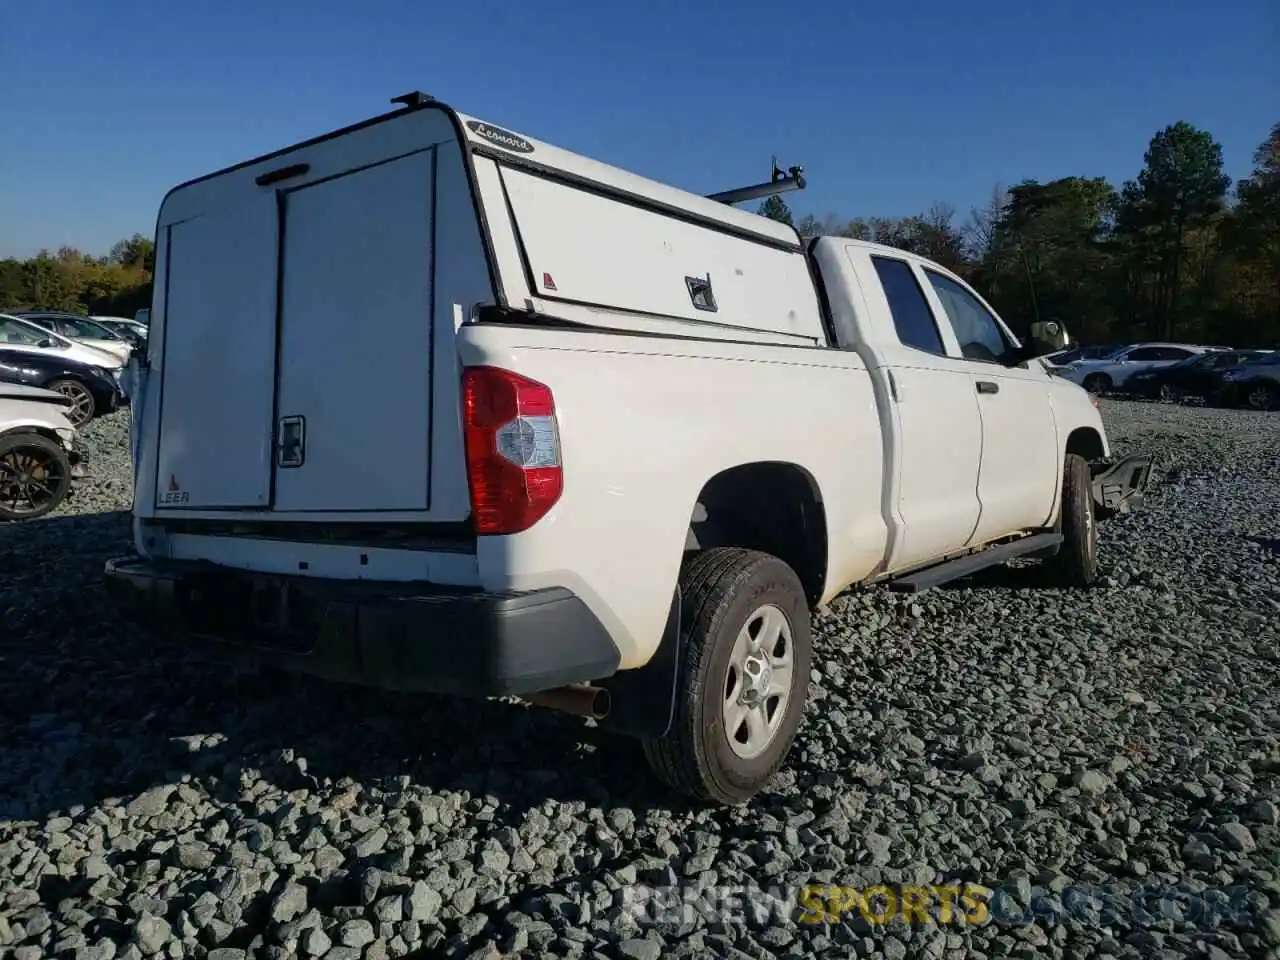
x: 644, y: 424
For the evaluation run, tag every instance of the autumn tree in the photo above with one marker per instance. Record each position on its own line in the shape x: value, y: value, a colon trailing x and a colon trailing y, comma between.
x: 1252, y: 244
x: 1180, y: 189
x: 1046, y: 253
x: 979, y: 230
x: 70, y: 279
x: 137, y: 252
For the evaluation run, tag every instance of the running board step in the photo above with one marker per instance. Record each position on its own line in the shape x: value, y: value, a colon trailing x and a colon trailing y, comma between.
x: 935, y: 576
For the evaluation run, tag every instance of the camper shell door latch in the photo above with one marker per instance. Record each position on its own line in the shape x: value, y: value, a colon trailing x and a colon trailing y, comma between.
x: 291, y: 442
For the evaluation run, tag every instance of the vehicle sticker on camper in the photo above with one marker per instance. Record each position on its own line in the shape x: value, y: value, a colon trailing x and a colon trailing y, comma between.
x: 502, y: 138
x: 174, y: 495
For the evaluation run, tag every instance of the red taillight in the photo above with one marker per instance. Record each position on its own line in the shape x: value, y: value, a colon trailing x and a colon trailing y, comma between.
x: 513, y: 449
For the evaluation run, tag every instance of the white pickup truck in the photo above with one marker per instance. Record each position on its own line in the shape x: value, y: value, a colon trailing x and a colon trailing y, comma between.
x: 430, y: 405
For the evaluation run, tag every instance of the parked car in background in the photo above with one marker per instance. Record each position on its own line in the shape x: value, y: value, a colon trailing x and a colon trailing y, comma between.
x: 37, y: 451
x: 1113, y: 371
x: 124, y: 327
x: 1197, y: 376
x: 91, y: 390
x: 82, y: 329
x: 1081, y: 351
x: 19, y: 334
x: 1255, y: 384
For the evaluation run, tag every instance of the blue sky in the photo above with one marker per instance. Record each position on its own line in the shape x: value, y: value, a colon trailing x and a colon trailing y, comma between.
x: 889, y: 106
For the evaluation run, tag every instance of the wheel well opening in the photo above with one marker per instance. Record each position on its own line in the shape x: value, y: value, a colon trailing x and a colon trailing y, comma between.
x: 771, y: 507
x: 28, y: 429
x: 1086, y: 442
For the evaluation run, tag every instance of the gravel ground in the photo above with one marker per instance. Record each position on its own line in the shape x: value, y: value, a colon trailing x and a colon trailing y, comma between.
x: 1080, y: 755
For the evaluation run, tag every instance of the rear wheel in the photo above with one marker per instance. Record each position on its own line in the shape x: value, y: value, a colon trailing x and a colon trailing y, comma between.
x: 1262, y: 396
x: 744, y: 678
x: 1097, y: 383
x: 35, y: 475
x: 1076, y: 562
x: 83, y: 406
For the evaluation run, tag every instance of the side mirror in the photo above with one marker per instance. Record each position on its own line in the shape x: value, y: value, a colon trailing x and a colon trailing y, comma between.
x: 1046, y: 337
x: 46, y: 344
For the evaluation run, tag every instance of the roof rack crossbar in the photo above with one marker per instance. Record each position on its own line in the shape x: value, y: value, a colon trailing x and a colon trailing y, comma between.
x: 778, y: 182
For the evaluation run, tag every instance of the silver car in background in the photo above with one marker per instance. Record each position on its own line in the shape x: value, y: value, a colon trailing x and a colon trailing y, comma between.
x: 1109, y: 373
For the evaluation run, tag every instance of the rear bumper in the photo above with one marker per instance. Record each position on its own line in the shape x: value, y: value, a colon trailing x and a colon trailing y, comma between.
x: 391, y: 636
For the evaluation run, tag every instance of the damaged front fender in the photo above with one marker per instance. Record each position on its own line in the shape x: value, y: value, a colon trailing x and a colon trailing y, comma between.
x: 1119, y: 487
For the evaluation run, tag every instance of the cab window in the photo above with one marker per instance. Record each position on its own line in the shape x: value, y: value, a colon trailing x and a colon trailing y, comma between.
x: 976, y: 329
x: 912, y: 316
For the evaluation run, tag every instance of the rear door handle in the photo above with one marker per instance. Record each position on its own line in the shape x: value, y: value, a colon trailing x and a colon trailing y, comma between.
x: 988, y: 386
x: 291, y: 442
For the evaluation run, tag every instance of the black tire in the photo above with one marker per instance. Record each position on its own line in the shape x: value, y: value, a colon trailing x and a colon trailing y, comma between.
x: 1097, y: 383
x: 35, y: 476
x: 1076, y: 562
x: 83, y: 408
x: 1262, y: 396
x: 723, y: 590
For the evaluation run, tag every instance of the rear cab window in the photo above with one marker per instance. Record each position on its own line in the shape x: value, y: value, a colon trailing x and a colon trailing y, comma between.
x: 912, y: 316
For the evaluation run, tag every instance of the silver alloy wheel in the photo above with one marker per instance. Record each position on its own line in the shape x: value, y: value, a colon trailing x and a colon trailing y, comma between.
x: 29, y: 480
x: 81, y: 409
x: 757, y: 685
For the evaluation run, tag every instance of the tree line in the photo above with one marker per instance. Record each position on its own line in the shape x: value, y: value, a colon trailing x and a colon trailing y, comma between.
x: 116, y: 285
x: 1174, y: 254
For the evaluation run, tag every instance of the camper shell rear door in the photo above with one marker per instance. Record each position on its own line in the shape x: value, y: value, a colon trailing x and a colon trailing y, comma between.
x: 304, y: 318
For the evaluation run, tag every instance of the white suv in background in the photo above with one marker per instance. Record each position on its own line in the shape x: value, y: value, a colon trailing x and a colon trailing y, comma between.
x: 1112, y: 371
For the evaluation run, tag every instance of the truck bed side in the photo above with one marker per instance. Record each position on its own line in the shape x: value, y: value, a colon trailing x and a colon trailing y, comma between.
x: 646, y: 425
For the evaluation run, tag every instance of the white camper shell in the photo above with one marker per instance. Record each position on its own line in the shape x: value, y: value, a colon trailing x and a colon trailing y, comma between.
x: 318, y: 290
